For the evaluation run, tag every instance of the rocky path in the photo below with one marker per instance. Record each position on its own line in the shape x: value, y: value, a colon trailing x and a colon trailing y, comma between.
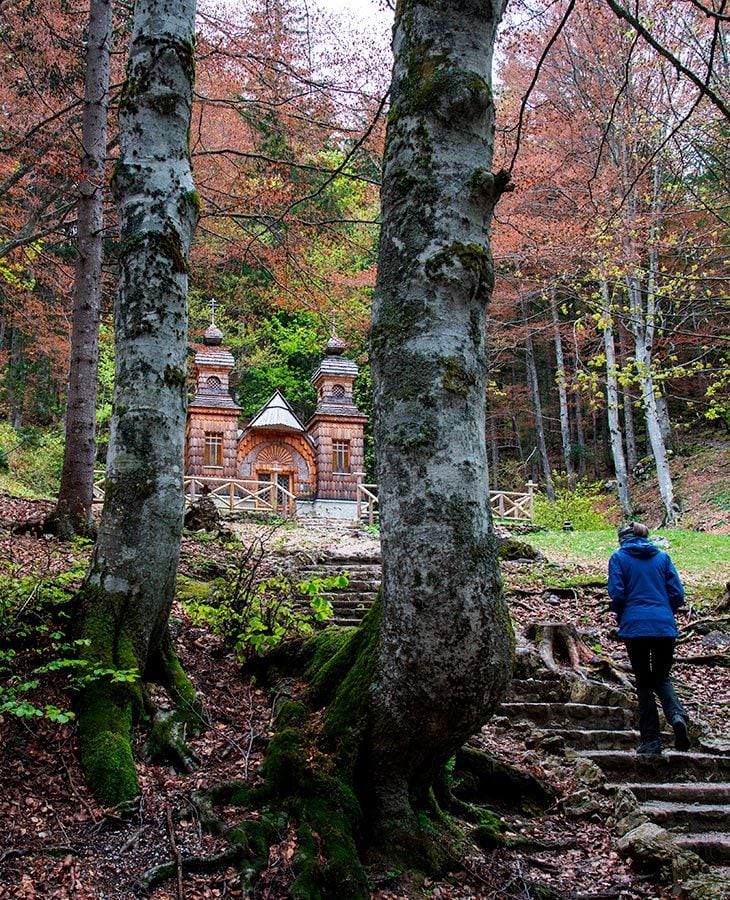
x: 352, y: 602
x: 672, y: 811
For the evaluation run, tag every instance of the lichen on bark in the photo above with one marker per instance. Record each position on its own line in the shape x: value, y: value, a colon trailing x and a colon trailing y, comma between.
x: 443, y: 655
x: 125, y: 603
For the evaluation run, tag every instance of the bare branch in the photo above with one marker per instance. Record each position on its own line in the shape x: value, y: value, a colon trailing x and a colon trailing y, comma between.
x: 535, y: 76
x: 702, y: 85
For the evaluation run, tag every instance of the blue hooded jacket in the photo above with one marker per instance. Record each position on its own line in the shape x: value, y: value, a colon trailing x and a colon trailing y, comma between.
x: 645, y: 590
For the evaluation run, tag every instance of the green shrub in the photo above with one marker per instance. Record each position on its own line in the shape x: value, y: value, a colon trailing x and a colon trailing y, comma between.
x: 34, y: 646
x: 577, y: 505
x: 34, y: 458
x: 253, y: 613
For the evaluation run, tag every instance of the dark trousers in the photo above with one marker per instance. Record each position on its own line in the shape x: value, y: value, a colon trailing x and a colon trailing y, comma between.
x: 651, y: 660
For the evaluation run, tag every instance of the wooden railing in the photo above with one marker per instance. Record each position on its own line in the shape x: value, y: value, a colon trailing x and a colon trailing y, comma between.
x: 232, y: 494
x: 514, y: 505
x: 509, y: 505
x: 242, y: 495
x: 367, y: 503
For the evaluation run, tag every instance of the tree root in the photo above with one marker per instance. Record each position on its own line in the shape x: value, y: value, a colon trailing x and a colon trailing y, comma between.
x: 706, y: 659
x: 560, y: 641
x: 163, y: 872
x: 166, y: 742
x: 480, y: 777
x: 203, y: 803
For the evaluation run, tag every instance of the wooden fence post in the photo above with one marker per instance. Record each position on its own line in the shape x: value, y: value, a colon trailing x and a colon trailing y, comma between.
x: 531, y: 498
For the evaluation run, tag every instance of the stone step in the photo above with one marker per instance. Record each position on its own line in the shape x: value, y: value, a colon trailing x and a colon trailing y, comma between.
x: 553, y: 714
x: 345, y: 596
x: 712, y: 846
x: 712, y: 792
x: 361, y: 580
x: 539, y: 690
x: 348, y: 561
x: 595, y: 739
x: 346, y: 601
x: 669, y: 766
x: 691, y: 817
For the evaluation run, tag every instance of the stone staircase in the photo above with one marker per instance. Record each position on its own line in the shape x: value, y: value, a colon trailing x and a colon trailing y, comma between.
x: 352, y: 602
x: 687, y: 794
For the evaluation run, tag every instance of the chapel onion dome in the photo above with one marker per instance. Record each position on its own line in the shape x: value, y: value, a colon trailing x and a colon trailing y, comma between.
x: 335, y: 346
x: 213, y: 336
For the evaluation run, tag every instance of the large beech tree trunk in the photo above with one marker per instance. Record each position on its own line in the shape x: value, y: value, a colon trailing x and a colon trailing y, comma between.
x: 445, y: 646
x: 126, y: 600
x: 73, y: 511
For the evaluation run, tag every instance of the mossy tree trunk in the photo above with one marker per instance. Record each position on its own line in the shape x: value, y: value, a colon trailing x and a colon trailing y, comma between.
x: 73, y: 511
x: 444, y: 652
x: 125, y: 603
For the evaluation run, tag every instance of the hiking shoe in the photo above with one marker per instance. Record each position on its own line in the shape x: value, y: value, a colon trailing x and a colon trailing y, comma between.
x: 650, y: 748
x: 681, y: 735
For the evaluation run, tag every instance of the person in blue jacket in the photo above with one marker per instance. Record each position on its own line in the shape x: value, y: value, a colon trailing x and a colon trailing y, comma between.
x: 645, y: 592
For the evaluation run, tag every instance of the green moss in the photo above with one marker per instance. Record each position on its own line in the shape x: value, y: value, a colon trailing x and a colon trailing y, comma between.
x: 105, y: 712
x: 291, y: 713
x: 174, y: 376
x: 255, y: 836
x: 164, y: 104
x: 456, y: 379
x: 104, y: 718
x: 285, y: 762
x: 320, y: 648
x: 188, y: 590
x: 489, y: 833
x: 472, y: 257
x: 193, y: 198
x: 181, y: 689
x: 347, y: 713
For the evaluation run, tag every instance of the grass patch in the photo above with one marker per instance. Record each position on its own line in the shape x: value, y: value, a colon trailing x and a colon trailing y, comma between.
x: 692, y: 552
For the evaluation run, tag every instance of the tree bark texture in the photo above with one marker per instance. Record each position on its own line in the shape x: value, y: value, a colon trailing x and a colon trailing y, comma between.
x: 562, y: 385
x: 644, y: 305
x: 130, y: 586
x: 445, y: 645
x: 580, y: 436
x: 612, y: 405
x: 73, y: 511
x: 629, y: 430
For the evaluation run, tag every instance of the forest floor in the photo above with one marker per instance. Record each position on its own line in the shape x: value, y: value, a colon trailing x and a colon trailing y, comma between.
x: 57, y: 842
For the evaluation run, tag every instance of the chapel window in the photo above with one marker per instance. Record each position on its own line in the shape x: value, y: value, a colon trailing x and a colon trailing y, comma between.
x: 214, y: 384
x: 341, y: 457
x: 338, y: 392
x: 213, y: 449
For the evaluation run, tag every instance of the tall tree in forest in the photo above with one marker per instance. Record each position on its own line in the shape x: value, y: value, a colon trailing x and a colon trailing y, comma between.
x: 562, y: 384
x: 533, y: 386
x: 125, y: 602
x: 73, y: 511
x: 612, y: 402
x: 434, y: 685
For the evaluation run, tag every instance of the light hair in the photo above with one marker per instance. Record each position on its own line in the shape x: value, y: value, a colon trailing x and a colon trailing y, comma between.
x: 640, y: 530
